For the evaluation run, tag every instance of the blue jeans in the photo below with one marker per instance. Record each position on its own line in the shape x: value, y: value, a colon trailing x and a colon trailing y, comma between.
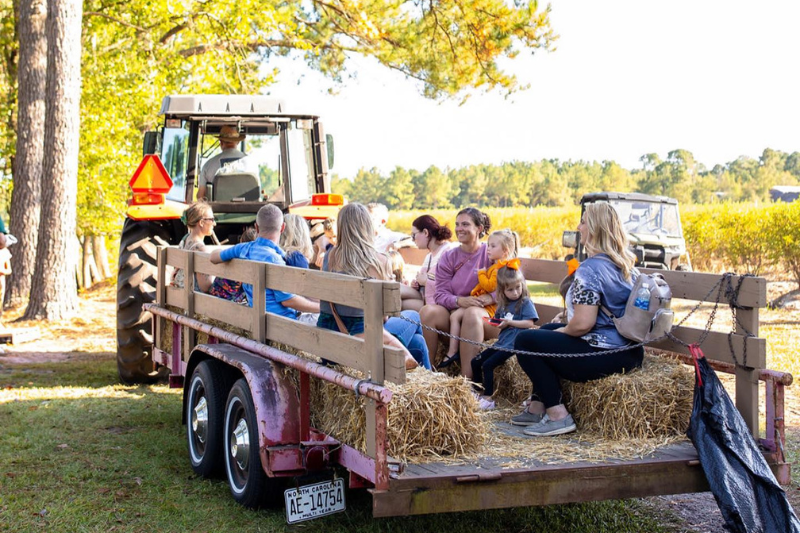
x: 410, y: 335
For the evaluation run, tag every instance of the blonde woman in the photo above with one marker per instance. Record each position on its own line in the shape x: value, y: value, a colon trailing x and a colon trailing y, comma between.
x: 355, y: 254
x: 199, y: 219
x: 605, y: 279
x: 296, y: 241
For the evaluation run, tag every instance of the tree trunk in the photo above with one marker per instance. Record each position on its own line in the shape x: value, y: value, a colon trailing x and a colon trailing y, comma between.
x: 101, y: 257
x: 79, y: 275
x: 26, y: 196
x: 54, y: 293
x: 89, y: 267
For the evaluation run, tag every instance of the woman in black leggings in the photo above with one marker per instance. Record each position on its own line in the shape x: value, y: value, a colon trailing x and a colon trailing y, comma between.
x: 604, y: 279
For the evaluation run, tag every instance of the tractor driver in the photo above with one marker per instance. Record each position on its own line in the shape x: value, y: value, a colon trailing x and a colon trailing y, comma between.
x: 229, y: 138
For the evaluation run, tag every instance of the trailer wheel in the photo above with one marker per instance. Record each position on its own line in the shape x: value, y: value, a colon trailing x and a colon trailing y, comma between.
x: 249, y: 483
x: 137, y: 277
x: 205, y: 409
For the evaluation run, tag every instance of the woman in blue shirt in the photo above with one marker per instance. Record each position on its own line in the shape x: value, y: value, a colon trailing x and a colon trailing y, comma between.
x: 604, y: 279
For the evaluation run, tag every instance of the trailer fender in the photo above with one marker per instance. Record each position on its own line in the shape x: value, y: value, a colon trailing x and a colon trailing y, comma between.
x: 275, y: 396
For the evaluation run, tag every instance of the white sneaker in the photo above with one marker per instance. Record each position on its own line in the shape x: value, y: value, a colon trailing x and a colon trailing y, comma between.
x: 486, y: 404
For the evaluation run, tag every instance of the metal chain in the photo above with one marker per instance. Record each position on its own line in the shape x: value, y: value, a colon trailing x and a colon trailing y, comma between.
x: 719, y: 286
x: 733, y: 300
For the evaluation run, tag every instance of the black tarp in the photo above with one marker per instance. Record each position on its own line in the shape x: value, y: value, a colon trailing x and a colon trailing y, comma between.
x: 748, y: 495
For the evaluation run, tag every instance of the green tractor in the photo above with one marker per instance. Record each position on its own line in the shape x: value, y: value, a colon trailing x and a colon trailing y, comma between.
x: 653, y: 224
x: 287, y: 157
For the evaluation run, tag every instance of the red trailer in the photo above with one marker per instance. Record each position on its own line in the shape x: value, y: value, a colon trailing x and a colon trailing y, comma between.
x: 246, y: 416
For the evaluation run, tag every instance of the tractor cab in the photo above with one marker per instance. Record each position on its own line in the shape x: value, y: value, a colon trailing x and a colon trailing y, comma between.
x: 240, y: 152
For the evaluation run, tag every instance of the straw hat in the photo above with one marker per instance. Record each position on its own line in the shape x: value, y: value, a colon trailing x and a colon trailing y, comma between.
x: 230, y: 134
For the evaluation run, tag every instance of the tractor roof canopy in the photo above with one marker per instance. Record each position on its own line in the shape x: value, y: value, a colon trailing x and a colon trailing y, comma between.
x: 629, y: 196
x: 221, y: 105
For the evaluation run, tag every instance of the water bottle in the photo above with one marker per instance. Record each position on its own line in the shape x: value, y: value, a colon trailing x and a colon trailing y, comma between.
x: 642, y: 300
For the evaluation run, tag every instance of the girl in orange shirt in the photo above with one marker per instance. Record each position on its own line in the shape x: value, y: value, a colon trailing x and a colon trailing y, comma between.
x: 501, y: 246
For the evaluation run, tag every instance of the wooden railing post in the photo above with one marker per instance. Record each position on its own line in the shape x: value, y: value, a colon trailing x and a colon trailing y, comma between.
x: 746, y: 376
x: 373, y: 348
x: 161, y: 294
x: 189, y: 335
x: 259, y: 302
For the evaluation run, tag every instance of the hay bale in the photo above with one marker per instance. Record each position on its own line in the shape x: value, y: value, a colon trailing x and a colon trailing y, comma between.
x: 654, y: 401
x: 431, y: 415
x: 511, y: 383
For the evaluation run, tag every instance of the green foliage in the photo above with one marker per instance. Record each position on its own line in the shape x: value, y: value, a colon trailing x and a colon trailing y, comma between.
x: 783, y: 230
x: 136, y: 52
x: 744, y: 237
x: 562, y: 183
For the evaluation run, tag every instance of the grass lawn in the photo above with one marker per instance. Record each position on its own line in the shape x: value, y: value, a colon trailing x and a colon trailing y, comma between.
x: 79, y: 452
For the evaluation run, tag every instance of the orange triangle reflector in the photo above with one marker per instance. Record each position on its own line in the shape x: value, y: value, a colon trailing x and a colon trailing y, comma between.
x: 151, y: 176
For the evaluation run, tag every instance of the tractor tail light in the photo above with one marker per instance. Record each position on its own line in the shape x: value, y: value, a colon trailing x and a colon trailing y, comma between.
x: 327, y: 199
x: 147, y: 198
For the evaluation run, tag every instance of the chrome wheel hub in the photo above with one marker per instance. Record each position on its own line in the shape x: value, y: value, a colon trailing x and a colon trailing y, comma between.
x: 240, y: 444
x: 200, y: 419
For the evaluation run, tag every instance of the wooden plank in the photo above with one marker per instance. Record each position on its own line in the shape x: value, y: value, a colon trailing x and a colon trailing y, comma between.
x: 547, y: 312
x: 373, y: 352
x: 223, y: 310
x: 176, y: 297
x: 189, y: 335
x: 177, y: 258
x: 686, y: 285
x: 332, y: 345
x: 716, y: 346
x: 259, y: 325
x: 373, y: 329
x: 392, y: 304
x: 543, y: 270
x: 161, y: 266
x: 236, y: 270
x: 747, y: 377
x: 413, y: 256
x: 539, y: 486
x: 695, y: 286
x: 394, y: 365
x: 336, y: 288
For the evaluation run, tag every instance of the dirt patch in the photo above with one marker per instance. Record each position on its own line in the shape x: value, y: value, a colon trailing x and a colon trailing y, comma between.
x: 688, y: 513
x: 90, y: 332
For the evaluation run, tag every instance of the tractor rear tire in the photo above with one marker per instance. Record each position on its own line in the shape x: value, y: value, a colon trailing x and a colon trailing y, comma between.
x: 137, y: 279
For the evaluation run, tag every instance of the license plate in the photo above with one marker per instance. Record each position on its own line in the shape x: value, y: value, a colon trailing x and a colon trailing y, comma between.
x: 313, y: 501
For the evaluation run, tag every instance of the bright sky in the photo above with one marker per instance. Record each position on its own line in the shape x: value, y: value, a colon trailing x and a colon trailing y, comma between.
x: 716, y: 77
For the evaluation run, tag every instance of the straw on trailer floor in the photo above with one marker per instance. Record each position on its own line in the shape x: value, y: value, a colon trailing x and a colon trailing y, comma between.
x: 434, y: 417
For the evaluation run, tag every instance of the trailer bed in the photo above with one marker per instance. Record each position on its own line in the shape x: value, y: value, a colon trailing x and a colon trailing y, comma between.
x: 488, y: 484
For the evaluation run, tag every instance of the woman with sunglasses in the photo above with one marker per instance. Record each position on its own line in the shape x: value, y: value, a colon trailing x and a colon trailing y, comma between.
x: 199, y: 219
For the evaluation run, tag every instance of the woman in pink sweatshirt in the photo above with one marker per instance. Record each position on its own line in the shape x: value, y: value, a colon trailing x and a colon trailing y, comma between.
x: 456, y: 276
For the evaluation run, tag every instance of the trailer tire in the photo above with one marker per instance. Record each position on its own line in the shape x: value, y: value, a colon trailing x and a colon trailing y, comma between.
x: 137, y: 278
x: 205, y: 408
x: 249, y: 484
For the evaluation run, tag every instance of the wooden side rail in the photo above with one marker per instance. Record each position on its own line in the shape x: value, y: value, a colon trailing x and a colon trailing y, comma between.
x: 377, y: 298
x: 749, y: 351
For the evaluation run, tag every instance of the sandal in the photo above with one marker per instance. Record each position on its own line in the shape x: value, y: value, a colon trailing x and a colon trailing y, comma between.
x: 447, y: 361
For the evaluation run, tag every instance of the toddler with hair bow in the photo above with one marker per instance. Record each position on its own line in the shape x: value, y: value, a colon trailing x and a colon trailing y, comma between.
x: 515, y: 313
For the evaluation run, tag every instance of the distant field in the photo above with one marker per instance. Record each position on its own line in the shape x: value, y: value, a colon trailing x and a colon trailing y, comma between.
x: 539, y: 228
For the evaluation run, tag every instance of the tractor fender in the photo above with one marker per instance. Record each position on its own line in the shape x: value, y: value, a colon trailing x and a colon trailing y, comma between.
x: 275, y: 396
